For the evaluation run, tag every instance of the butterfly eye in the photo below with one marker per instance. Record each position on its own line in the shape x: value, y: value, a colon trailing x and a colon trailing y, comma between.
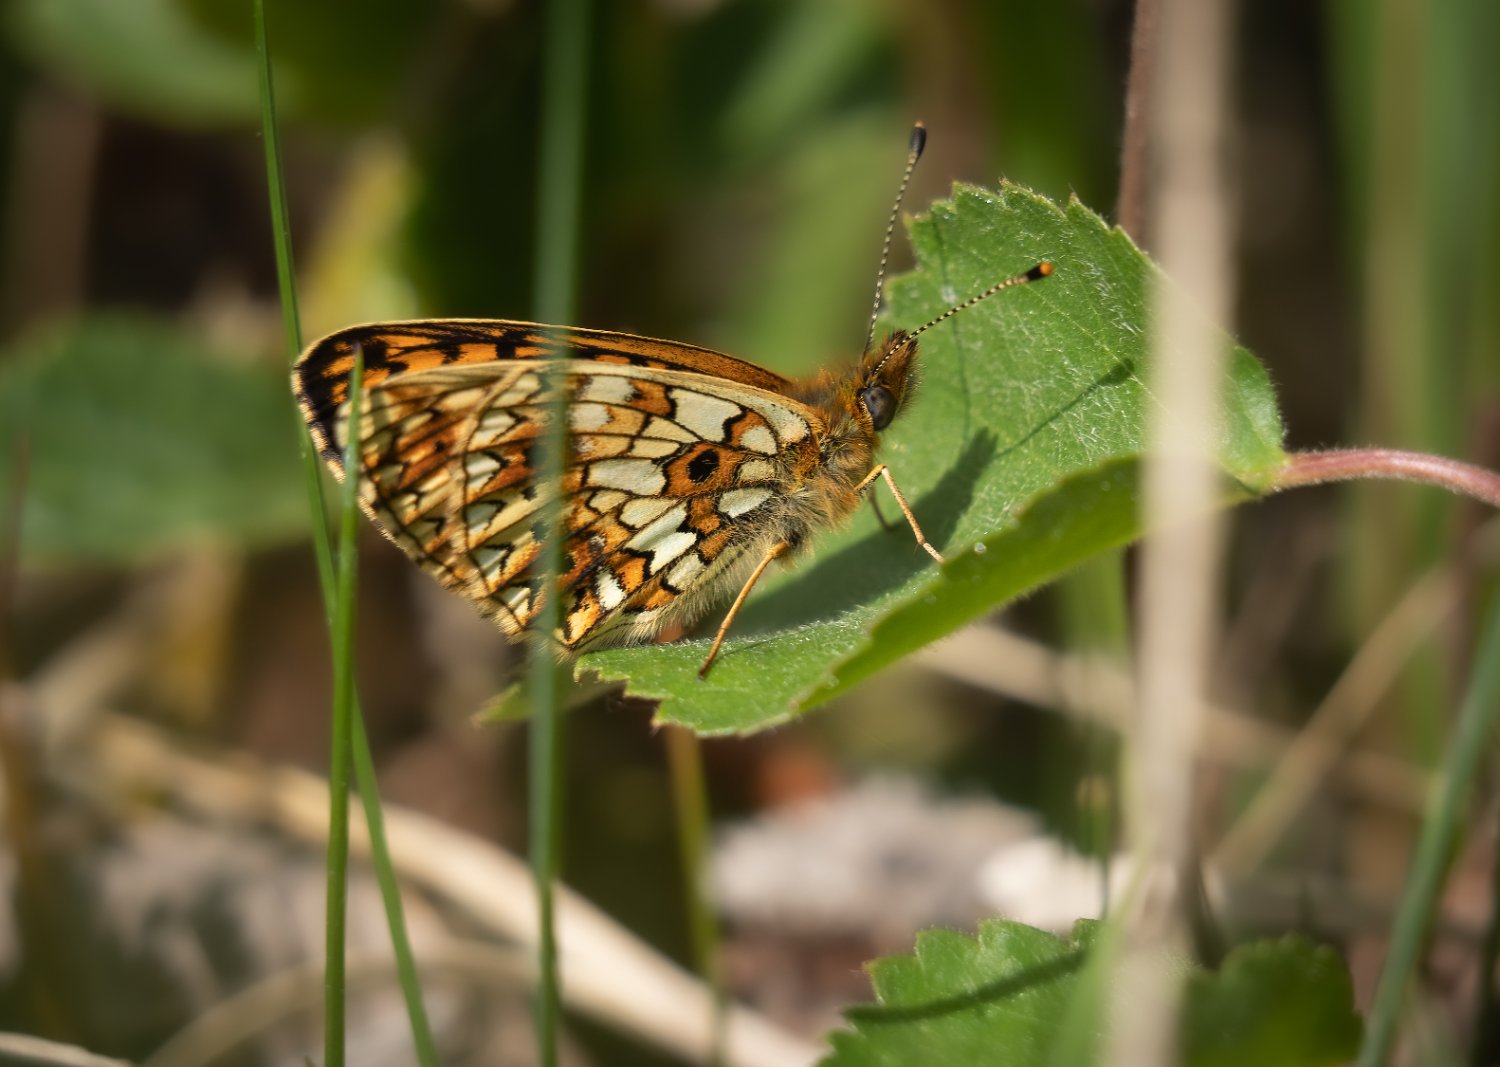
x: 881, y: 405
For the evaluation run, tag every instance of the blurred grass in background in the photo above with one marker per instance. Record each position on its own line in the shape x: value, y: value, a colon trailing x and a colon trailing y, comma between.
x: 741, y: 158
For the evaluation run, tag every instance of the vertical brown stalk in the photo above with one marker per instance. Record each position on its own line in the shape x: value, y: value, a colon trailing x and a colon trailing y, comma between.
x: 1130, y: 206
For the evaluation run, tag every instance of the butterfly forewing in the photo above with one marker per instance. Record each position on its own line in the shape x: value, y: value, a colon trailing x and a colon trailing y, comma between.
x: 673, y: 452
x: 321, y: 378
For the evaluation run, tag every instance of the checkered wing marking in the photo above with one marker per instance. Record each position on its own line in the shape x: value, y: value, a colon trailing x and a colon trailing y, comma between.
x: 667, y: 472
x: 411, y: 430
x: 391, y: 349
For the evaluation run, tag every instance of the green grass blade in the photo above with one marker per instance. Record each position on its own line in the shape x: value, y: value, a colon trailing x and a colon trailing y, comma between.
x: 690, y: 801
x: 559, y: 184
x: 1477, y: 718
x: 1487, y: 1016
x: 1095, y: 615
x: 334, y: 981
x: 390, y: 894
x: 281, y: 230
x: 385, y: 871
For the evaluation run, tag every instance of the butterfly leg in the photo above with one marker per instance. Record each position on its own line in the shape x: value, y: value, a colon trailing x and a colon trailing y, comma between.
x: 885, y: 524
x: 778, y: 549
x: 883, y: 471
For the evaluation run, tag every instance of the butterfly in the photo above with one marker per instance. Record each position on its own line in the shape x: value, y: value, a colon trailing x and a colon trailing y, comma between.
x: 688, y: 471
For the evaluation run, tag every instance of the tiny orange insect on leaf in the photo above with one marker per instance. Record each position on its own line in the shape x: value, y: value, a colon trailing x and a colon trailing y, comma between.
x: 688, y: 472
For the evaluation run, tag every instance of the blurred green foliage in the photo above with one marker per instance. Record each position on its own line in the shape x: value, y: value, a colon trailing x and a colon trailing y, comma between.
x: 150, y: 58
x: 1011, y: 989
x: 141, y: 441
x: 192, y: 63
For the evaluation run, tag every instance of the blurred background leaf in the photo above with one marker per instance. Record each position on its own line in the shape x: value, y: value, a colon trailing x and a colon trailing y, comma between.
x: 140, y: 442
x: 192, y: 63
x: 148, y: 57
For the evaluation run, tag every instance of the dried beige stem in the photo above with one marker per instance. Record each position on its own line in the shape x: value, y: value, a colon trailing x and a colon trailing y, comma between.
x: 607, y: 972
x: 1180, y: 559
x: 1097, y: 688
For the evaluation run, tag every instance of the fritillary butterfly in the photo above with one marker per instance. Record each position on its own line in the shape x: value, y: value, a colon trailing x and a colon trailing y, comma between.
x: 688, y: 471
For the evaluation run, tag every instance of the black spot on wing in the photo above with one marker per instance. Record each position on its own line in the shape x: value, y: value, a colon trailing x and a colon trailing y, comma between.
x: 702, y: 466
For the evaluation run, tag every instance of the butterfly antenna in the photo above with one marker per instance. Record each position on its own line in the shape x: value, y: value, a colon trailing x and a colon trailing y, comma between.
x: 1035, y: 274
x: 913, y: 153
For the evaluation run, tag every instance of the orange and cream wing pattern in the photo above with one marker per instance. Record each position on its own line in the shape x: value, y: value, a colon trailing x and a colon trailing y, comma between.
x: 321, y: 377
x: 668, y: 467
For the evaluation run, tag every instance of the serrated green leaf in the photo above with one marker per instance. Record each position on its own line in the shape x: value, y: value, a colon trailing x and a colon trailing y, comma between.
x: 141, y: 441
x: 1018, y: 456
x: 996, y: 998
x: 1007, y: 997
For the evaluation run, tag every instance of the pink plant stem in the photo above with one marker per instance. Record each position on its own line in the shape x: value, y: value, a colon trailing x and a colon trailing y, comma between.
x: 1344, y: 464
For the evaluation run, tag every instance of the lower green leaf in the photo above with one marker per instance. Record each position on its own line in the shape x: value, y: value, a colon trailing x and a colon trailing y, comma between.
x: 1007, y: 996
x: 1284, y: 1002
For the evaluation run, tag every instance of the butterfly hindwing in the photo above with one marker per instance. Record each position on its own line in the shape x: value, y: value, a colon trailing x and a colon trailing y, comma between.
x: 669, y: 470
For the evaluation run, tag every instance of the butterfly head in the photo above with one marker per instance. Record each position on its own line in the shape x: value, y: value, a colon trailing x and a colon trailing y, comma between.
x: 886, y: 373
x: 886, y: 376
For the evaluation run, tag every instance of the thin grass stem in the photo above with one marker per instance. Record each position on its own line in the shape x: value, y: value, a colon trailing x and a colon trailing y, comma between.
x: 690, y: 801
x: 281, y: 230
x: 1486, y: 1016
x: 559, y: 193
x: 385, y: 871
x: 1477, y: 718
x: 337, y: 903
